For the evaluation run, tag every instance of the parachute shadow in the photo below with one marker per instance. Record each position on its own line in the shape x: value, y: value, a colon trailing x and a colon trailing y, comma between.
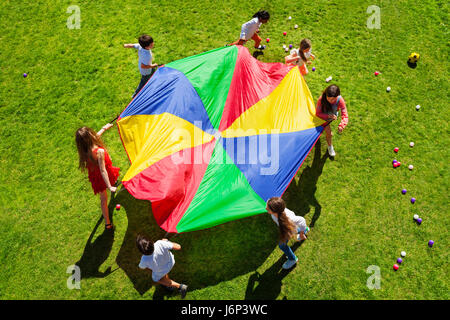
x: 207, y: 257
x: 300, y: 195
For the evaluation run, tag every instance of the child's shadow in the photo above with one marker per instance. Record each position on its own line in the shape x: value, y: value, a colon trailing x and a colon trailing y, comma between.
x: 269, y: 283
x: 207, y: 257
x: 301, y: 194
x: 96, y: 252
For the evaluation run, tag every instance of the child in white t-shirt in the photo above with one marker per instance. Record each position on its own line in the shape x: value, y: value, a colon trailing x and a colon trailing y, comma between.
x: 250, y: 30
x: 158, y: 258
x: 301, y: 56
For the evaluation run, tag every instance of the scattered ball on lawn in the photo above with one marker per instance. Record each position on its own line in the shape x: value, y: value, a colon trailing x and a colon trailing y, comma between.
x: 284, y: 33
x: 419, y: 220
x: 377, y: 73
x: 404, y: 191
x: 417, y: 107
x: 25, y: 75
x: 430, y: 243
x: 290, y: 46
x: 118, y: 207
x: 267, y: 40
x: 411, y: 144
x: 395, y: 267
x: 399, y: 260
x: 296, y: 26
x: 396, y: 149
x: 403, y: 254
x: 284, y: 46
x: 388, y: 89
x: 413, y: 200
x: 289, y: 18
x: 286, y: 49
x: 416, y: 216
x: 329, y: 79
x: 410, y: 167
x: 313, y: 68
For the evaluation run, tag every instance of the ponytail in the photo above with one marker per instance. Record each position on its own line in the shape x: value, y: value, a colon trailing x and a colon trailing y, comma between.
x: 304, y: 44
x: 286, y: 226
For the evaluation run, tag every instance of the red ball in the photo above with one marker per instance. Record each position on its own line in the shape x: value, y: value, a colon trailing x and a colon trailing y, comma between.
x: 118, y: 207
x: 396, y: 149
x: 395, y: 267
x: 284, y: 33
x: 267, y: 39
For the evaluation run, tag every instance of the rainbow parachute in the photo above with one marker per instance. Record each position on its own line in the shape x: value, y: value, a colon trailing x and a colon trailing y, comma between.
x: 211, y: 137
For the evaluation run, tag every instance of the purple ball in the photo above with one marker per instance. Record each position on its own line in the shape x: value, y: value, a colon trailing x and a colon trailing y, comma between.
x: 394, y: 161
x: 419, y: 221
x: 404, y: 191
x: 413, y: 200
x: 25, y: 75
x: 430, y: 243
x: 313, y: 68
x: 399, y: 260
x: 290, y: 46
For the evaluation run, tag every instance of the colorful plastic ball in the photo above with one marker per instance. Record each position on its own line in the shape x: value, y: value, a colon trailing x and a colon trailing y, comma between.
x: 416, y: 216
x: 313, y: 68
x: 284, y: 33
x: 289, y: 18
x: 377, y: 73
x: 419, y: 220
x: 395, y: 267
x: 25, y: 75
x: 290, y: 46
x: 430, y: 243
x: 413, y: 200
x: 296, y: 26
x: 286, y: 49
x: 410, y: 167
x: 394, y: 161
x: 118, y: 207
x: 388, y: 89
x: 267, y: 40
x: 417, y: 107
x: 403, y: 191
x: 396, y: 149
x: 399, y: 260
x: 403, y: 254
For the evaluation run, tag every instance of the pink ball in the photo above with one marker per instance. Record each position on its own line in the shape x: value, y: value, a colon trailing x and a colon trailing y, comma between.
x: 267, y: 39
x: 396, y: 149
x: 377, y: 73
x: 284, y: 33
x: 118, y: 207
x: 395, y: 267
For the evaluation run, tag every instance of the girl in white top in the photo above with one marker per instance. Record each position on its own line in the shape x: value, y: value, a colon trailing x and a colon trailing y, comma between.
x: 301, y: 56
x: 250, y: 30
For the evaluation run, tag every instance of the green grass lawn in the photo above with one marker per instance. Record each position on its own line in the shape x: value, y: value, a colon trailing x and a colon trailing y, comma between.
x: 49, y: 217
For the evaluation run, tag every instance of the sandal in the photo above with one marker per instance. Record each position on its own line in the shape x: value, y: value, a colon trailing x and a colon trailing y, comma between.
x: 109, y: 226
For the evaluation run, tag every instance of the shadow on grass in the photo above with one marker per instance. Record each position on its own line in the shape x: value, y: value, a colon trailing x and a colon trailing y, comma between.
x: 97, y: 252
x: 207, y: 257
x: 269, y: 283
x: 300, y: 195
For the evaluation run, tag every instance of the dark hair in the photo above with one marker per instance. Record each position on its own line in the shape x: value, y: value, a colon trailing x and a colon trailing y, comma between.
x: 86, y: 139
x: 331, y: 91
x: 262, y: 15
x: 145, y: 40
x: 287, y: 227
x: 144, y: 245
x: 304, y: 44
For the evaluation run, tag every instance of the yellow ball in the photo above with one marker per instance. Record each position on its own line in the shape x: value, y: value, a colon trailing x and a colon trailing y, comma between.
x: 414, y: 57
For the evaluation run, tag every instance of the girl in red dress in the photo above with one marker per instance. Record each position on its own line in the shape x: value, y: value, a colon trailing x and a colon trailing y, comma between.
x: 95, y: 158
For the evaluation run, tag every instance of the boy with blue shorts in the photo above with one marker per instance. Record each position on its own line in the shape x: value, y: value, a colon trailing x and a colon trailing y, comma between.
x: 146, y: 65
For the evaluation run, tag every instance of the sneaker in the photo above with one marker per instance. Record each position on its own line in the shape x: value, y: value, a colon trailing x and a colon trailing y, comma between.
x: 290, y: 263
x: 261, y: 47
x: 182, y: 290
x: 306, y: 230
x: 331, y: 151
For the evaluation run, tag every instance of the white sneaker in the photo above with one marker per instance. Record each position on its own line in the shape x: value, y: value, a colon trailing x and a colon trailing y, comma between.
x: 331, y: 151
x: 290, y: 263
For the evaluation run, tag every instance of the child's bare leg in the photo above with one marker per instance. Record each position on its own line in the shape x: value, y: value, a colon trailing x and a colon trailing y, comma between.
x: 166, y: 281
x: 302, y: 235
x: 104, y: 205
x: 329, y: 134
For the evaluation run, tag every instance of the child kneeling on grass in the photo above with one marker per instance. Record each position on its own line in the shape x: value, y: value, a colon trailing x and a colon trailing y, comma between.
x: 158, y: 258
x: 290, y: 225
